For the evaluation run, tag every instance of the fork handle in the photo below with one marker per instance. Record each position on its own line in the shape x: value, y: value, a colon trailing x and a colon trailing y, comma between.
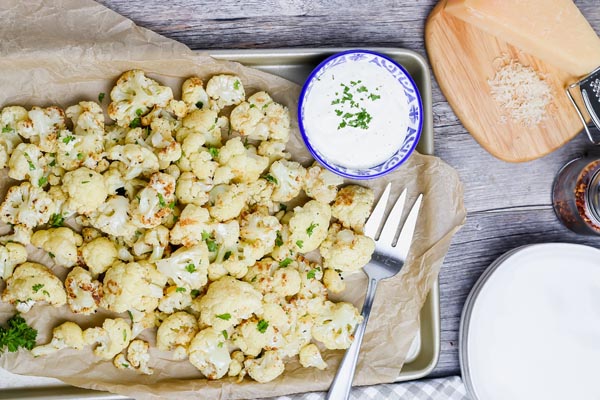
x: 342, y: 383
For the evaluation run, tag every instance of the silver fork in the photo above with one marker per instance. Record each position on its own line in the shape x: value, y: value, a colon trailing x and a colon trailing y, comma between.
x: 386, y: 262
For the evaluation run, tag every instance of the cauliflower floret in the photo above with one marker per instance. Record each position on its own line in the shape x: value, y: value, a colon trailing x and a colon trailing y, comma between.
x: 165, y: 147
x: 227, y: 302
x: 33, y: 282
x: 176, y: 298
x: 352, y: 206
x: 287, y: 177
x: 42, y: 127
x: 99, y: 254
x: 60, y: 243
x: 134, y: 95
x: 27, y: 163
x: 238, y: 163
x: 321, y: 184
x: 176, y: 332
x: 345, y: 250
x: 265, y: 368
x: 138, y: 356
x: 283, y: 247
x: 236, y: 367
x: 135, y: 160
x: 261, y: 118
x: 9, y: 118
x: 209, y: 353
x: 269, y: 276
x: 333, y: 281
x: 21, y: 234
x: 310, y: 356
x: 308, y: 226
x: 259, y: 194
x: 153, y: 241
x: 86, y: 190
x: 68, y: 334
x: 134, y: 285
x: 204, y: 122
x: 154, y: 202
x: 259, y: 229
x: 192, y: 222
x: 113, y: 217
x: 187, y: 267
x: 227, y: 201
x: 11, y: 255
x: 87, y: 117
x: 83, y: 294
x: 112, y: 338
x: 193, y: 93
x: 335, y: 325
x: 191, y: 190
x: 225, y: 90
x: 253, y: 335
x: 274, y: 150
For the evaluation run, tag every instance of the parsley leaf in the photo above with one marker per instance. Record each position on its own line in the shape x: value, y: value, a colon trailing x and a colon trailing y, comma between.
x: 101, y: 97
x: 139, y: 112
x: 42, y: 181
x: 236, y: 85
x: 36, y: 288
x: 68, y: 139
x: 225, y: 317
x: 180, y: 290
x: 31, y: 164
x: 285, y: 262
x: 214, y: 152
x: 130, y: 315
x: 271, y: 178
x: 199, y: 104
x: 262, y: 326
x: 7, y: 129
x: 310, y: 230
x: 51, y: 254
x: 190, y: 268
x: 227, y: 255
x: 299, y: 243
x: 80, y: 156
x: 161, y: 200
x: 135, y: 123
x: 278, y: 240
x: 17, y: 334
x: 282, y: 207
x: 195, y: 293
x: 225, y: 335
x: 56, y: 220
x: 311, y: 274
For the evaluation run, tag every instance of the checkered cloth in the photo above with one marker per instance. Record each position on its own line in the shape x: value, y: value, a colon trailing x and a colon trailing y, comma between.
x: 451, y: 388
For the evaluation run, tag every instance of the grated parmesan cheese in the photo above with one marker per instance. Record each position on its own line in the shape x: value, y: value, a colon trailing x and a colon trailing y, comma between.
x: 523, y: 95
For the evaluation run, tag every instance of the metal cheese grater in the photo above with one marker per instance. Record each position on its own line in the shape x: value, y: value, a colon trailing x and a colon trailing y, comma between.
x: 590, y: 92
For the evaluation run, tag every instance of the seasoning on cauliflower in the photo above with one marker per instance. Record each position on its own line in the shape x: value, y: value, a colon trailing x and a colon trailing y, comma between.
x: 321, y: 184
x: 134, y: 160
x: 26, y: 205
x: 176, y: 298
x: 261, y: 118
x: 209, y: 353
x: 269, y: 276
x: 308, y: 226
x: 333, y: 281
x: 42, y: 127
x: 153, y: 241
x: 136, y: 285
x: 191, y: 190
x: 352, y: 206
x: 203, y: 122
x: 225, y: 90
x: 239, y: 163
x: 27, y: 162
x: 11, y: 255
x: 345, y: 250
x: 253, y: 335
x: 86, y: 189
x: 287, y: 177
x: 99, y: 254
x: 259, y: 230
x: 112, y: 338
x: 31, y: 283
x: 161, y: 139
x: 60, y: 243
x: 265, y: 368
x: 68, y: 334
x: 175, y: 334
x: 310, y: 356
x: 192, y: 222
x: 134, y: 95
x: 187, y: 267
x: 137, y: 358
x: 227, y: 302
x: 335, y: 325
x: 113, y: 217
x: 83, y: 294
x: 227, y: 201
x: 193, y: 93
x: 154, y: 202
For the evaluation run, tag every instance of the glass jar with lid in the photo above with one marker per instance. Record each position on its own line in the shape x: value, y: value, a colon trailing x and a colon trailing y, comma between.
x: 576, y: 195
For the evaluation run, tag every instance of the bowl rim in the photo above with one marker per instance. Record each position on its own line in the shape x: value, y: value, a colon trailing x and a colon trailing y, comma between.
x: 301, y: 102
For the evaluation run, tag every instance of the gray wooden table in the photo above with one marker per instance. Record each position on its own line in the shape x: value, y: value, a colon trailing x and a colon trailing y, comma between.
x: 509, y: 204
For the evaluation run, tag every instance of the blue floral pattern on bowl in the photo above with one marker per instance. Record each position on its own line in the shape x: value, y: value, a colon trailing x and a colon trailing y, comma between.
x: 414, y: 117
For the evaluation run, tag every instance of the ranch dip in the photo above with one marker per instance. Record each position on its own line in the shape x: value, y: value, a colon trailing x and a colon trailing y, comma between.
x: 354, y: 115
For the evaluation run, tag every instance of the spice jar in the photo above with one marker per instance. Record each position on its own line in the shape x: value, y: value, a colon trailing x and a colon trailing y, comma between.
x: 576, y: 196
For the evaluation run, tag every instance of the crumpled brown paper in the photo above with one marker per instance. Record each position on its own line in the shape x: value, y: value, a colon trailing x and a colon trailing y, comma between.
x: 62, y: 52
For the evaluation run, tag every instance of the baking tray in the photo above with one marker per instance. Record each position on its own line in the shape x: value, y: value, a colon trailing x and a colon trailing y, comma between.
x: 295, y: 65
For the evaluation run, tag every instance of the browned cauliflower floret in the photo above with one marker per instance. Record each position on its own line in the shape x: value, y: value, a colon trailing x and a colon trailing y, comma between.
x: 42, y: 127
x: 83, y: 293
x: 352, y: 206
x: 26, y: 205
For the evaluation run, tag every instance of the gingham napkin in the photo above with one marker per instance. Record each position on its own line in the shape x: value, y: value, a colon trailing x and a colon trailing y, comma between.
x: 451, y: 388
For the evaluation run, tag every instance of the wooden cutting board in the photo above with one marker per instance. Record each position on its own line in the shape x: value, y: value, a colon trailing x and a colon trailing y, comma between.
x: 463, y: 59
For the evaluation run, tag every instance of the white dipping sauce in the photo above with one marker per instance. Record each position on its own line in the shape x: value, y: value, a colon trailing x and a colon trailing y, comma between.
x: 372, y: 91
x: 534, y: 331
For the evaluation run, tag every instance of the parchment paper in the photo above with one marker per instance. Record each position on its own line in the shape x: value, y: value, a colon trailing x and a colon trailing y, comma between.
x: 61, y: 52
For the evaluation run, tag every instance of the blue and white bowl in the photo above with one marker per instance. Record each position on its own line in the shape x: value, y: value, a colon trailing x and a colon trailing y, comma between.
x: 412, y: 114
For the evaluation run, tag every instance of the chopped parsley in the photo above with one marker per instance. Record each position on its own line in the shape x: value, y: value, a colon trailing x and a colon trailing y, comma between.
x: 351, y: 107
x: 210, y: 242
x: 190, y: 268
x: 300, y: 243
x: 180, y: 290
x: 236, y: 85
x: 101, y: 96
x: 7, y: 129
x: 85, y: 181
x: 310, y: 230
x: 282, y: 207
x: 161, y: 200
x: 17, y: 334
x: 262, y: 326
x: 53, y: 162
x: 227, y: 255
x: 285, y: 262
x: 271, y: 178
x: 80, y: 156
x: 214, y: 152
x: 68, y: 139
x: 45, y: 292
x: 278, y: 240
x: 36, y: 288
x: 199, y: 104
x: 139, y: 112
x: 135, y: 123
x: 311, y: 274
x: 42, y: 181
x: 220, y: 344
x: 56, y: 220
x: 31, y: 164
x: 125, y: 365
x: 225, y: 335
x: 130, y: 315
x: 225, y: 317
x: 172, y: 205
x: 195, y: 293
x: 51, y: 254
x: 124, y: 335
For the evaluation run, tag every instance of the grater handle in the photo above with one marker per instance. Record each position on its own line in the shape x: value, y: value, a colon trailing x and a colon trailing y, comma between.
x: 590, y: 92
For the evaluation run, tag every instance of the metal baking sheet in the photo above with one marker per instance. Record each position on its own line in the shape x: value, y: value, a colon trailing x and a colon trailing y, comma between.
x: 295, y: 65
